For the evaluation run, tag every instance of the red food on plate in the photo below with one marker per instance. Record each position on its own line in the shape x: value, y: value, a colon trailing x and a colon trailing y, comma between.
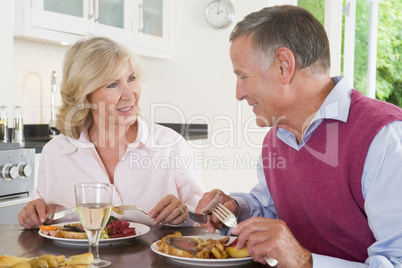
x: 119, y: 228
x: 234, y: 243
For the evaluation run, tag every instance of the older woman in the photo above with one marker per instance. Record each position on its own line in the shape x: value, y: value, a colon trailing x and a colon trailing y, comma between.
x: 104, y: 139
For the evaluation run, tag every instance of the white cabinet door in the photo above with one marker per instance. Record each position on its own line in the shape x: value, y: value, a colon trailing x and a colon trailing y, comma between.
x: 143, y: 24
x: 112, y: 19
x: 152, y: 25
x: 72, y: 16
x: 73, y: 19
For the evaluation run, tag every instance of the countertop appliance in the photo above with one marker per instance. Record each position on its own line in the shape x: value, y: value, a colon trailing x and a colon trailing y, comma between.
x: 17, y: 180
x: 53, y: 131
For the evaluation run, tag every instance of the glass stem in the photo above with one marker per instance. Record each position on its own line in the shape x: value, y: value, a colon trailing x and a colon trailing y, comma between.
x: 95, y: 251
x: 93, y: 239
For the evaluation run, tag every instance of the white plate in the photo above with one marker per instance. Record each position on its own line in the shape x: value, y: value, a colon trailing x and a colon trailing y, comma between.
x: 204, y: 262
x: 140, y: 229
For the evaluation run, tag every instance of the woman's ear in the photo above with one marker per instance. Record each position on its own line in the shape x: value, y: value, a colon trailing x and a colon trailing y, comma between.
x: 287, y: 64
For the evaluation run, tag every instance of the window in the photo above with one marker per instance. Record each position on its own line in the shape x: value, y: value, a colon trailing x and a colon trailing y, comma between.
x: 367, y: 48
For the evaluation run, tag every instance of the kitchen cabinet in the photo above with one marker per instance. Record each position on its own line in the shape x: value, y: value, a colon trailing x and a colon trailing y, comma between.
x: 68, y: 21
x: 151, y: 33
x: 141, y: 24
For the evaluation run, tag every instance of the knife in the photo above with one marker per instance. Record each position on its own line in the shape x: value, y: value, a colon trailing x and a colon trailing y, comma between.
x: 61, y: 214
x: 200, y: 218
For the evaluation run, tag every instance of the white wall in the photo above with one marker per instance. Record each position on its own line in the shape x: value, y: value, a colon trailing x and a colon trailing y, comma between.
x: 6, y: 53
x: 34, y: 63
x: 198, y: 80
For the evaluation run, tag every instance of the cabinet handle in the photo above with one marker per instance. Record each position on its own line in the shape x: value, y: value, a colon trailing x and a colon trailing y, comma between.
x: 141, y: 18
x: 96, y: 10
x: 90, y: 16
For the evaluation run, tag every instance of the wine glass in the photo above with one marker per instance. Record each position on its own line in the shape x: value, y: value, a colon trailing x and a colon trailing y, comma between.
x: 94, y: 204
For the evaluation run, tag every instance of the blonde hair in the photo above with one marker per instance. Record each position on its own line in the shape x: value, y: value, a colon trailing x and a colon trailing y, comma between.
x: 88, y: 65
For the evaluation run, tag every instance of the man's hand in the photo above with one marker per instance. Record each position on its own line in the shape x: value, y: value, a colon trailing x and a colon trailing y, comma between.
x: 272, y: 238
x: 34, y: 214
x: 170, y: 210
x: 227, y: 201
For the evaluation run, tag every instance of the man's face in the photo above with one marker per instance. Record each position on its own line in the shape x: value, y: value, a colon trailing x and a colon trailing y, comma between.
x: 259, y: 86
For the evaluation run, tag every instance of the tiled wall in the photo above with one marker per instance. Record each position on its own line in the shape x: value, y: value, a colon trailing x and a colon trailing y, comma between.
x: 34, y: 63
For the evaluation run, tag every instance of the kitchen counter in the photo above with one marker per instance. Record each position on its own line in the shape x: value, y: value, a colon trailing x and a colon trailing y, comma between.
x: 36, y: 135
x: 16, y: 241
x: 37, y: 145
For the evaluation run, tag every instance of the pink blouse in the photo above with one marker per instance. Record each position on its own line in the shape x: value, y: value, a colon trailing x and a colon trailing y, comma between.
x: 158, y: 163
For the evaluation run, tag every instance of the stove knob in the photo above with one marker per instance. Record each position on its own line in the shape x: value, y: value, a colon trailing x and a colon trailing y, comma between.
x: 24, y: 170
x: 9, y: 172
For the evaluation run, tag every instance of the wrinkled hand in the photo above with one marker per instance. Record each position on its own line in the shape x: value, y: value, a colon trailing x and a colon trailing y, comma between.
x: 270, y: 237
x: 214, y: 222
x: 34, y: 214
x: 169, y: 211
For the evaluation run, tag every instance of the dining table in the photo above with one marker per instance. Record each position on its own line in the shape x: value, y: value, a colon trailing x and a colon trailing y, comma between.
x: 137, y: 252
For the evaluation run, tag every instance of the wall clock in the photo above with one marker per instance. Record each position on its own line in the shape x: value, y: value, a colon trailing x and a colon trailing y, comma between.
x: 219, y: 13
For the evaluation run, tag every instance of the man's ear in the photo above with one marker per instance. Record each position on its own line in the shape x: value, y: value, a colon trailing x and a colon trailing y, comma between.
x: 287, y: 64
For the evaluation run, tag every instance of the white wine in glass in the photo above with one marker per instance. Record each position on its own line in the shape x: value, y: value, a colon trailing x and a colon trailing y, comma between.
x: 94, y: 204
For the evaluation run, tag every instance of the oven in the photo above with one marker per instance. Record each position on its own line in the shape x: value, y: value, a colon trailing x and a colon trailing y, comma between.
x: 17, y: 180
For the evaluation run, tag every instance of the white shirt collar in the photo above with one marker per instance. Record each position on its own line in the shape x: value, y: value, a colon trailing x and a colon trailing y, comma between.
x: 84, y: 144
x: 335, y: 106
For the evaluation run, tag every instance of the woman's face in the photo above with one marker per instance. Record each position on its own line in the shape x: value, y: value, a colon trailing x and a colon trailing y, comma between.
x: 117, y: 101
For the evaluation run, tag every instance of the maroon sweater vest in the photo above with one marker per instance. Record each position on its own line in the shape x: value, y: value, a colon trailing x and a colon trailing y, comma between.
x: 317, y: 190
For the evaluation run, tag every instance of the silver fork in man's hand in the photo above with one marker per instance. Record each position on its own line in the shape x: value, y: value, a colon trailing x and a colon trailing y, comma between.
x: 229, y: 219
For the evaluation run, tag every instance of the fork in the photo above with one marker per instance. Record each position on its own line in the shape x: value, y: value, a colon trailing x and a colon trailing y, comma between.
x: 229, y: 219
x: 120, y: 209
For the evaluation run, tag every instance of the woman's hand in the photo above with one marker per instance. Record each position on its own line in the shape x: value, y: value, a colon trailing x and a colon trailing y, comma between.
x: 227, y: 201
x: 34, y: 214
x: 272, y: 238
x: 170, y: 210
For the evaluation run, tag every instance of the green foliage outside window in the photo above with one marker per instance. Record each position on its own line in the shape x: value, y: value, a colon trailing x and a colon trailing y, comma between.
x: 389, y: 52
x: 317, y: 8
x: 389, y: 46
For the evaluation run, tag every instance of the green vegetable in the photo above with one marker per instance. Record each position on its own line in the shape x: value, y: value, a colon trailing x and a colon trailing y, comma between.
x: 104, y: 235
x: 111, y: 218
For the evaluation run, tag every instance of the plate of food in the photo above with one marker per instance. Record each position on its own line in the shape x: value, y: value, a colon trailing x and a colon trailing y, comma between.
x: 204, y: 250
x: 72, y: 233
x: 82, y: 260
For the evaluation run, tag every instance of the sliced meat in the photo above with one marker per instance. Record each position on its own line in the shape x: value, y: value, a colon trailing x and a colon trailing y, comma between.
x: 171, y: 246
x: 184, y: 243
x: 73, y: 228
x: 214, y: 202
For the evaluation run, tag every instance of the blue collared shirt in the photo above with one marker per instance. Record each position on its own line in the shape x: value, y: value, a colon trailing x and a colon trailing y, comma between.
x: 381, y: 184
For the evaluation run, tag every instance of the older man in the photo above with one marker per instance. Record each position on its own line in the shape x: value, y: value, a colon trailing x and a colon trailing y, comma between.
x: 335, y: 200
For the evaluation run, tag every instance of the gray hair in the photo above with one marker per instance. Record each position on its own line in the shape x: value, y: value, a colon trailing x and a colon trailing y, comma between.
x: 287, y: 26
